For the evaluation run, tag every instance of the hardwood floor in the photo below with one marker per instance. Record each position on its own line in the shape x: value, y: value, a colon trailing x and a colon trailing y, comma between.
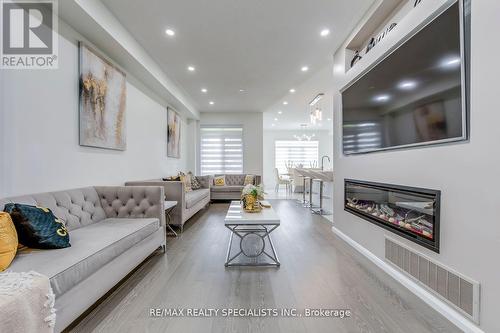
x: 318, y: 271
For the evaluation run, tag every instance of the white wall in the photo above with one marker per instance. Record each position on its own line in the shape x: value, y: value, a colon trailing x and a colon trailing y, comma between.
x: 466, y: 173
x: 252, y: 135
x: 40, y: 125
x: 270, y: 136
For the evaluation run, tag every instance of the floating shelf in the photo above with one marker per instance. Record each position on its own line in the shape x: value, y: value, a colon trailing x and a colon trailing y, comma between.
x: 373, y: 25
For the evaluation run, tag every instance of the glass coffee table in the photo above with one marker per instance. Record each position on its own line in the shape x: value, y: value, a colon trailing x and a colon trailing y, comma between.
x: 253, y: 231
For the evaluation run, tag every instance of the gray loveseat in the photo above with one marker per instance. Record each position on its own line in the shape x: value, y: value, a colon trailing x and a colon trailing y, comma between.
x: 112, y: 230
x: 233, y: 187
x: 188, y: 203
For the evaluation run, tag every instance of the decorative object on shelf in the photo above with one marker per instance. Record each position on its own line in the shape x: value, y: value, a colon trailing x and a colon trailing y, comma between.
x: 250, y: 196
x: 173, y: 134
x: 304, y: 136
x: 417, y: 2
x: 103, y: 96
x: 375, y: 40
x: 356, y: 58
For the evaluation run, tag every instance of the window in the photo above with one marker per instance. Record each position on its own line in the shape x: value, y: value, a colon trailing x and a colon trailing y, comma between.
x: 221, y: 149
x: 295, y: 153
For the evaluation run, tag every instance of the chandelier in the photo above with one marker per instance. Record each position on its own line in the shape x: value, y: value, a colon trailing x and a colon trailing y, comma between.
x: 304, y: 136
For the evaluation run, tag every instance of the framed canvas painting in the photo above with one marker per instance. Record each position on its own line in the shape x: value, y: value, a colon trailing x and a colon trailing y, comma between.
x: 173, y: 134
x: 103, y: 95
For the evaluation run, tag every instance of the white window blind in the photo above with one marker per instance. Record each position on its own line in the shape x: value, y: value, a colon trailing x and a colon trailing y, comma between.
x: 295, y: 153
x: 221, y: 149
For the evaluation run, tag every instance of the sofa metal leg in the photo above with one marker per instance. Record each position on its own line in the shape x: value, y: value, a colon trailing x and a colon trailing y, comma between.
x: 164, y: 248
x: 182, y: 228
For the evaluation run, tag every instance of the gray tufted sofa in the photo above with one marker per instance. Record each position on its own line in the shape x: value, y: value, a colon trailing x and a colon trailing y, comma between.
x: 233, y: 187
x: 188, y: 203
x: 112, y: 230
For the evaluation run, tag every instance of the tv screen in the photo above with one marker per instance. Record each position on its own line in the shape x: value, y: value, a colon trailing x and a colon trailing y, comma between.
x: 414, y: 96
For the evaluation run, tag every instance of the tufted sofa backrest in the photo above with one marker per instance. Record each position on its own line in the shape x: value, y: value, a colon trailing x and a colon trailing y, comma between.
x: 77, y: 207
x: 232, y: 179
x: 132, y: 201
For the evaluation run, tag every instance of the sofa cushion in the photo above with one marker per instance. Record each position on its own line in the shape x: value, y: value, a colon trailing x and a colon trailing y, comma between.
x: 92, y: 247
x: 37, y: 227
x: 8, y: 241
x: 192, y: 198
x: 220, y: 181
x: 228, y: 188
x: 249, y: 180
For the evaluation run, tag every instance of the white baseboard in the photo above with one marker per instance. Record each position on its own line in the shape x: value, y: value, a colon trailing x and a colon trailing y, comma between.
x: 448, y: 312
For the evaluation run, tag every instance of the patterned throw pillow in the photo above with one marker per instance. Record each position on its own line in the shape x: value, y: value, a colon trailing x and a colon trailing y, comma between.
x: 37, y: 227
x: 249, y: 180
x: 220, y: 181
x: 8, y: 241
x: 186, y: 179
x: 195, y: 183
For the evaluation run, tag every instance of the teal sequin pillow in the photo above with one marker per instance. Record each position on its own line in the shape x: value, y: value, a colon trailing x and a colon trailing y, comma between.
x: 37, y: 227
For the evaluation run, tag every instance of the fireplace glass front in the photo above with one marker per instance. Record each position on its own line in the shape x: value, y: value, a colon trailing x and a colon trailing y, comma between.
x: 410, y: 212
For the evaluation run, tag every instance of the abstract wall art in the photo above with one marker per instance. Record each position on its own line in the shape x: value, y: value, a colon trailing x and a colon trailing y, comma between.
x: 173, y: 134
x: 103, y: 95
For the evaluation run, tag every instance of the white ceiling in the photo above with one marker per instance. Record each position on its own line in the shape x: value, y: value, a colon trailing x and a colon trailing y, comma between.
x: 255, y: 45
x: 296, y: 112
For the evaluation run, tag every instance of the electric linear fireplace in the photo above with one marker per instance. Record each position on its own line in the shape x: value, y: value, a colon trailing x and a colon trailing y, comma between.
x: 410, y: 212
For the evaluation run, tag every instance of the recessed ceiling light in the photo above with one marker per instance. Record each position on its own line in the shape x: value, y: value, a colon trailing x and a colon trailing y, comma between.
x: 329, y: 119
x: 204, y: 90
x: 191, y: 68
x: 280, y: 112
x: 242, y: 90
x: 304, y: 68
x: 285, y: 103
x: 324, y: 32
x: 170, y: 32
x: 211, y: 102
x: 292, y: 90
x: 382, y: 98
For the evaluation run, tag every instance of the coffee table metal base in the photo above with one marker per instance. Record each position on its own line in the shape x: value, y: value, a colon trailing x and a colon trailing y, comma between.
x: 243, y: 231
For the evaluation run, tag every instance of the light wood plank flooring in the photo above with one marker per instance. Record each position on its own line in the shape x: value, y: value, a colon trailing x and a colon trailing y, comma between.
x: 318, y: 271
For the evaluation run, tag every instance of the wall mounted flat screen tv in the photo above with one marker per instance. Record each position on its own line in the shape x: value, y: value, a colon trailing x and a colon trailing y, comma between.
x: 415, y: 96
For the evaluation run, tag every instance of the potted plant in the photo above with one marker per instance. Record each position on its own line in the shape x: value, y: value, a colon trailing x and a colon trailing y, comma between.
x: 250, y: 196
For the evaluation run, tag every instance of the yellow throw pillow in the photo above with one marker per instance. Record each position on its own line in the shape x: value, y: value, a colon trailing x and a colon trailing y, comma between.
x: 249, y: 179
x: 186, y: 179
x: 8, y: 241
x: 220, y: 181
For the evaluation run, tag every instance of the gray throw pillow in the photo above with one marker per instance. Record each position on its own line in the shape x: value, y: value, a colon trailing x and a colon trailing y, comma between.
x: 195, y: 183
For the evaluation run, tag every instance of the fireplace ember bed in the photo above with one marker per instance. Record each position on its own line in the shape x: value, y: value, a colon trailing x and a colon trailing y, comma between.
x: 410, y: 212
